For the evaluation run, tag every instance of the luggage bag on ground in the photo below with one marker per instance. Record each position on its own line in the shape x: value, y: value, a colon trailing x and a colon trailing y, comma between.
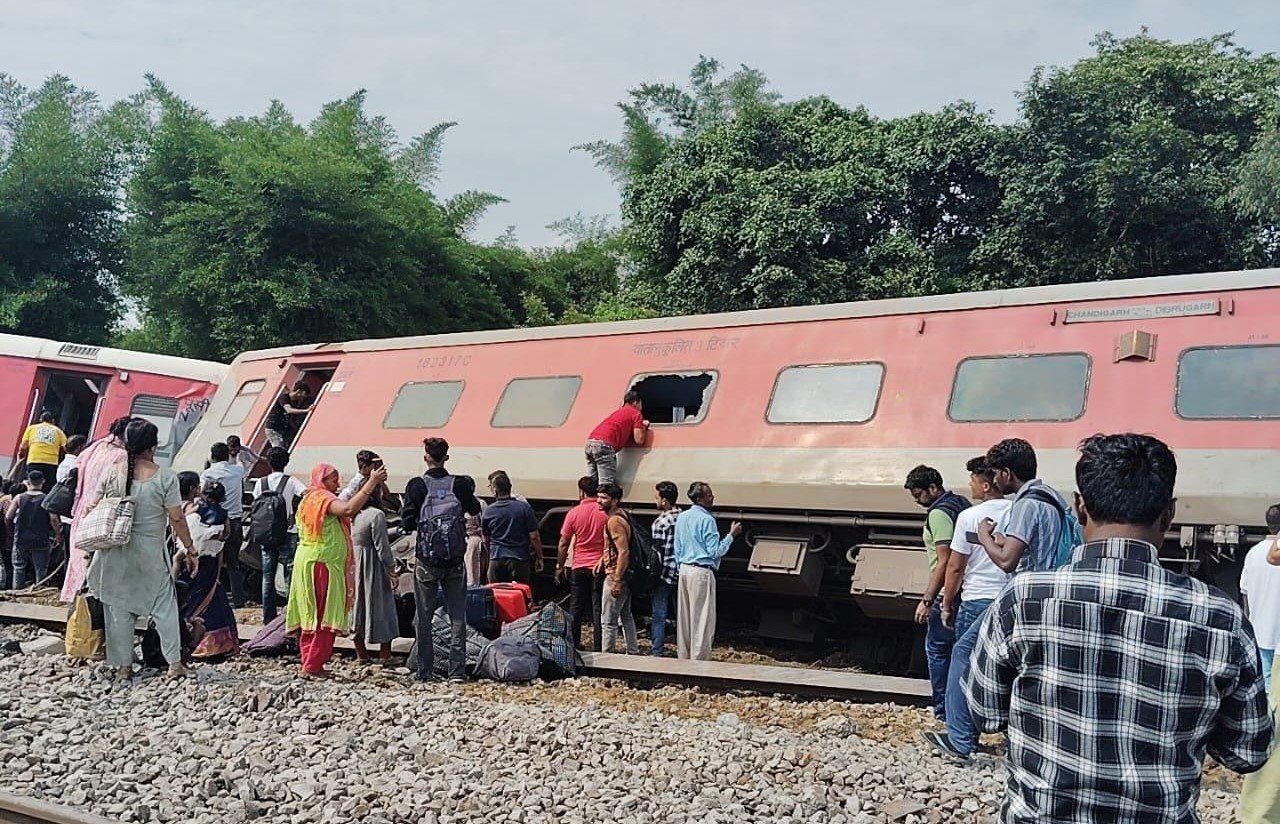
x: 549, y: 627
x: 86, y: 628
x: 510, y: 657
x: 482, y: 612
x: 271, y: 640
x: 513, y: 601
x: 440, y: 636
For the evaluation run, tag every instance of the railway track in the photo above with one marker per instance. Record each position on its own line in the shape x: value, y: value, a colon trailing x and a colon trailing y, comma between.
x: 715, y: 675
x: 18, y: 809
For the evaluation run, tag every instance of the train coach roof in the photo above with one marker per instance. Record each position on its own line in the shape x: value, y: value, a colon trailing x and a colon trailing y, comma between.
x: 78, y: 354
x: 1028, y: 296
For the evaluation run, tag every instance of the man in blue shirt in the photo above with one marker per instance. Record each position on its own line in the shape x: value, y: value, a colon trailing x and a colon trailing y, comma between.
x: 510, y: 530
x: 699, y: 549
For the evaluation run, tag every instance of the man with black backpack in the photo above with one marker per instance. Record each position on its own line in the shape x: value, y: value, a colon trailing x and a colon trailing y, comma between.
x: 34, y: 532
x: 271, y: 525
x: 616, y: 564
x: 436, y: 506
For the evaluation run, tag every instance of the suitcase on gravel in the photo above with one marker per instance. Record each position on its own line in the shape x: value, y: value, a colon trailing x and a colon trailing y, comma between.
x: 513, y: 601
x: 482, y: 612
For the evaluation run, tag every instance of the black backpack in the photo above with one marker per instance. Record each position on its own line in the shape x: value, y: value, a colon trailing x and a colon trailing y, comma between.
x: 269, y: 516
x: 644, y: 566
x: 442, y: 525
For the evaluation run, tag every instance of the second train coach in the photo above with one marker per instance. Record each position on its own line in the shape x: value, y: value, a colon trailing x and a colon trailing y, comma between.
x: 806, y: 420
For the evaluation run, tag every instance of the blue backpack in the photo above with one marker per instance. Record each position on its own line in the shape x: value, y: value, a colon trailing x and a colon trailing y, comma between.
x: 442, y: 528
x: 1070, y: 536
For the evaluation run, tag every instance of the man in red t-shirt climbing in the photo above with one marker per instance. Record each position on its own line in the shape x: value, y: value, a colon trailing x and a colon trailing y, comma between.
x: 626, y: 426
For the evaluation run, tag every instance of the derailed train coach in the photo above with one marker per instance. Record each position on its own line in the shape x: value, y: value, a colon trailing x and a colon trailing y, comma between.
x: 87, y: 387
x: 806, y: 420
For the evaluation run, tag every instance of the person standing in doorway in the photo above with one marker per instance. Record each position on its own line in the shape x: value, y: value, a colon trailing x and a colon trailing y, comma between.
x: 664, y: 540
x: 699, y: 549
x: 435, y: 506
x: 287, y: 414
x: 231, y: 475
x: 942, y: 506
x: 583, y: 532
x: 624, y: 427
x: 41, y: 449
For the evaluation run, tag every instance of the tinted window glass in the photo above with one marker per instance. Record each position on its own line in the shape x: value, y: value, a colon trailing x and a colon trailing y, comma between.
x: 423, y: 405
x: 1020, y: 388
x: 536, y: 402
x: 240, y: 405
x: 827, y: 393
x: 1233, y: 382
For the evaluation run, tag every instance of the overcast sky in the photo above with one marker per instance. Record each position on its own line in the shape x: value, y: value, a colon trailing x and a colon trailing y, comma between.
x: 528, y: 79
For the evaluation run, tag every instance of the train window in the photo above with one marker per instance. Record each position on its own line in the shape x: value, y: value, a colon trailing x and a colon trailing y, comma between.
x: 1229, y: 382
x: 162, y: 412
x: 243, y: 402
x: 541, y: 402
x: 674, y: 397
x: 423, y: 405
x: 826, y: 393
x: 1020, y: 388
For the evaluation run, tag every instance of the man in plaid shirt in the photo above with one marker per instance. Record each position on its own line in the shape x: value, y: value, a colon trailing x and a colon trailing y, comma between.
x: 664, y: 540
x: 1113, y: 675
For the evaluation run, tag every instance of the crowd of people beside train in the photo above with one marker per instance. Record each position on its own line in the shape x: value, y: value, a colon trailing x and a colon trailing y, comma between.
x: 1056, y: 622
x: 1049, y: 619
x: 330, y: 546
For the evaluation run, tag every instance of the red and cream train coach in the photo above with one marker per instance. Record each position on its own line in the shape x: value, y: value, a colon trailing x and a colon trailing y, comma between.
x: 87, y: 387
x: 806, y: 420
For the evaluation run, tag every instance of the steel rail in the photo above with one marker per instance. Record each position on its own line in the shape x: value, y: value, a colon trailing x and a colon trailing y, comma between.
x: 715, y: 675
x: 20, y: 809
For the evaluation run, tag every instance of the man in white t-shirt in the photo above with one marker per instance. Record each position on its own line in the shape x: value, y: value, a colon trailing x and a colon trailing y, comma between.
x: 292, y: 490
x: 975, y: 578
x: 1260, y: 588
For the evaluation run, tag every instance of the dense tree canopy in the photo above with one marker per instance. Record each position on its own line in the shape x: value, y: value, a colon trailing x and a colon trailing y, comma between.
x: 153, y: 224
x: 1143, y: 159
x: 59, y: 226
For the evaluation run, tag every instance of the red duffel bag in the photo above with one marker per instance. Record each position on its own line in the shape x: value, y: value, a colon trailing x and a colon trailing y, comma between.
x: 512, y: 600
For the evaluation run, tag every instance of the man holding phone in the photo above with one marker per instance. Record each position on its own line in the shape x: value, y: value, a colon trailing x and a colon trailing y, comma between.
x: 366, y: 463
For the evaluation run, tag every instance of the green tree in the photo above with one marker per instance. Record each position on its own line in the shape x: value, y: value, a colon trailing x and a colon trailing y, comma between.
x: 260, y: 231
x: 59, y: 221
x: 1124, y: 164
x: 810, y: 202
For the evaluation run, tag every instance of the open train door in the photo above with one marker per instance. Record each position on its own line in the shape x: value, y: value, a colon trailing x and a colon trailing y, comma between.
x: 74, y: 397
x: 317, y: 376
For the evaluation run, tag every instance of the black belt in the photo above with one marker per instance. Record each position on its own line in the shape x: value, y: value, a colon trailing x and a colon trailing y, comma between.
x: 701, y: 566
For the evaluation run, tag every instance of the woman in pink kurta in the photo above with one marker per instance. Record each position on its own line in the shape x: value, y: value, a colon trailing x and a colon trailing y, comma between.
x: 95, y: 461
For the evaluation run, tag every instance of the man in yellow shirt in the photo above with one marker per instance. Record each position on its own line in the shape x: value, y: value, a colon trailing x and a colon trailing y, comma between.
x: 43, y: 446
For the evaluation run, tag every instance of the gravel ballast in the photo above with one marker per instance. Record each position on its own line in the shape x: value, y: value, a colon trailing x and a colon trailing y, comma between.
x: 248, y: 741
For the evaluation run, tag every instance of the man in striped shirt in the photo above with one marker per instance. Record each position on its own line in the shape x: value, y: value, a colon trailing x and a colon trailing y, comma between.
x: 664, y: 541
x: 1113, y: 675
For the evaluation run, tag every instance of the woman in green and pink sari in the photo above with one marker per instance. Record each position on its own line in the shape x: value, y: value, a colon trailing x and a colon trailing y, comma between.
x: 324, y: 567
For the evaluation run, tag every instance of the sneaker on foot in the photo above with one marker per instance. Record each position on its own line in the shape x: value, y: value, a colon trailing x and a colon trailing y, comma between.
x: 457, y: 679
x: 940, y: 742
